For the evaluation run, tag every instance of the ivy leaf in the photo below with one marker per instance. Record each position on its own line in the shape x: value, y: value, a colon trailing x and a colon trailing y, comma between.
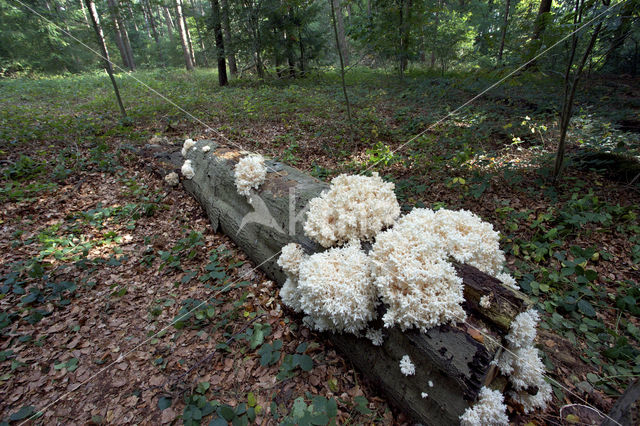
x: 164, y: 403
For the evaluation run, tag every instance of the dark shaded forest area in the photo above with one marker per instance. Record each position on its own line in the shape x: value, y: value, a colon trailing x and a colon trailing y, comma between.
x: 118, y: 302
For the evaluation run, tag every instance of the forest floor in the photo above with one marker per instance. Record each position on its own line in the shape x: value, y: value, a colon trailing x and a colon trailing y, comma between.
x: 101, y: 259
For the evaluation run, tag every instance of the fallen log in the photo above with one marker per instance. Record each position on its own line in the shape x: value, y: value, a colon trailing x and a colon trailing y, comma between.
x: 456, y: 359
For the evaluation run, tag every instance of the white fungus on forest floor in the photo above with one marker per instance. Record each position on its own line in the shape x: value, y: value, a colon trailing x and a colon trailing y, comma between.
x: 172, y: 179
x: 414, y: 279
x: 186, y: 146
x: 489, y: 410
x: 250, y: 173
x: 376, y: 336
x: 354, y: 207
x: 485, y: 301
x: 406, y: 366
x: 187, y: 170
x: 522, y: 364
x: 334, y: 288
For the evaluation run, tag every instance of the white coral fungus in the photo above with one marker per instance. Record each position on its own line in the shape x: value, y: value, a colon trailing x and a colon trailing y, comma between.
x: 376, y: 336
x: 187, y: 145
x: 489, y: 410
x: 406, y: 366
x: 336, y: 289
x: 469, y: 240
x: 523, y: 329
x: 187, y: 170
x: 420, y: 288
x: 354, y: 207
x: 172, y: 179
x: 250, y: 172
x: 206, y: 148
x: 507, y: 280
x: 532, y: 402
x: 485, y: 301
x: 290, y: 295
x: 523, y: 366
x: 522, y: 363
x: 291, y: 256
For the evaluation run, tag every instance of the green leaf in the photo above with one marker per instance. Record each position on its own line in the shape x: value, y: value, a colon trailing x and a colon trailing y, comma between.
x: 305, y: 362
x: 218, y: 421
x: 251, y: 399
x: 586, y: 308
x: 227, y: 412
x: 23, y: 413
x: 72, y: 364
x: 164, y: 402
x: 258, y: 336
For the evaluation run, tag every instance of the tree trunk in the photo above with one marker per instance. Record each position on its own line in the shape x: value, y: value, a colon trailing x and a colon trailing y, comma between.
x: 301, y: 46
x: 84, y: 12
x: 435, y: 35
x: 570, y: 86
x: 127, y: 45
x: 95, y: 19
x: 226, y: 26
x: 168, y: 22
x: 505, y: 23
x: 344, y: 86
x: 183, y: 36
x: 344, y: 47
x: 217, y: 29
x: 117, y: 33
x: 122, y: 37
x: 405, y: 17
x: 133, y: 16
x: 539, y: 27
x: 154, y: 31
x: 145, y: 15
x: 189, y: 43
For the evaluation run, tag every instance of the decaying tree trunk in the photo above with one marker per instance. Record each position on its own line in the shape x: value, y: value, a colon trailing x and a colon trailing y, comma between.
x: 456, y: 358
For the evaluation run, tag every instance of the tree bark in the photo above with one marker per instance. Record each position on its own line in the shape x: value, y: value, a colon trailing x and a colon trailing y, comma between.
x: 505, y: 23
x: 154, y: 31
x: 405, y: 17
x: 168, y: 22
x: 570, y: 86
x: 189, y: 43
x: 95, y: 19
x: 84, y: 12
x: 183, y: 36
x: 539, y: 27
x: 435, y: 36
x: 344, y: 86
x: 228, y: 43
x: 217, y: 29
x: 344, y: 47
x: 117, y: 33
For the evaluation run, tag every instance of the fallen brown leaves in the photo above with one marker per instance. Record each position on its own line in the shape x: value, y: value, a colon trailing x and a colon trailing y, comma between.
x: 123, y: 365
